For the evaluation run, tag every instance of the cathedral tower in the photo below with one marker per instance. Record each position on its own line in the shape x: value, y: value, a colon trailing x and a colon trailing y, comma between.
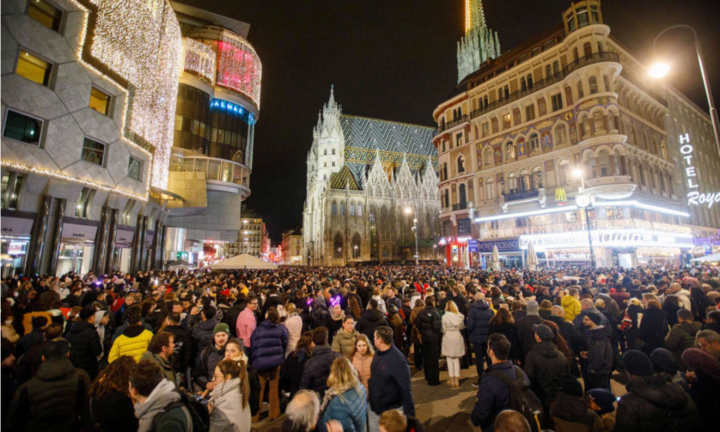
x: 479, y: 43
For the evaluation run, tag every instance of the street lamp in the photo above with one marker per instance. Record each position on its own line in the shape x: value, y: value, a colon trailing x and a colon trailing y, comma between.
x: 583, y: 201
x: 659, y: 70
x: 408, y: 211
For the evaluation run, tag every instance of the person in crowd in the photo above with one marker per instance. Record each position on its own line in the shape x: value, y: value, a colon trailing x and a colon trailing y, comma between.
x: 301, y: 414
x: 415, y: 336
x: 361, y: 357
x: 371, y: 319
x: 493, y: 395
x: 544, y: 367
x: 664, y: 361
x: 344, y: 341
x: 682, y: 336
x: 709, y: 341
x: 85, y: 344
x: 235, y: 351
x: 160, y: 351
x: 345, y: 399
x: 397, y: 325
x: 511, y: 421
x: 570, y: 412
x: 478, y: 326
x: 653, y: 328
x: 703, y: 384
x: 8, y: 328
x: 294, y: 365
x: 229, y: 405
x: 337, y: 315
x: 203, y: 332
x: 526, y: 335
x: 134, y: 339
x: 317, y: 368
x: 269, y: 341
x: 246, y: 323
x: 602, y: 401
x: 453, y: 345
x: 430, y: 326
x: 571, y: 304
x: 320, y: 315
x: 208, y: 358
x: 652, y: 403
x: 389, y: 384
x: 183, y: 343
x: 157, y: 404
x: 395, y: 421
x: 110, y: 407
x: 574, y: 340
x: 35, y: 337
x: 671, y: 306
x: 599, y: 356
x: 545, y: 309
x: 503, y: 323
x: 294, y: 325
x: 55, y: 399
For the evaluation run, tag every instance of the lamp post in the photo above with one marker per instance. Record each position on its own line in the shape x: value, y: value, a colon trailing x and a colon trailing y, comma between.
x: 583, y: 201
x: 660, y: 69
x: 408, y: 211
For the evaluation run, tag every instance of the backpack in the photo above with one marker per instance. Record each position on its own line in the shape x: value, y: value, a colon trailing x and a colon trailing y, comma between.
x: 196, y: 411
x: 522, y: 399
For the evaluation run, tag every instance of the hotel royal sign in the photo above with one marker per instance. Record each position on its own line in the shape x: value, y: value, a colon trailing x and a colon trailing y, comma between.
x: 694, y: 197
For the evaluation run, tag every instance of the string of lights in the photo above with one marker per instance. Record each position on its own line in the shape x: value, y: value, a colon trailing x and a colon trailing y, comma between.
x: 239, y: 67
x: 199, y: 58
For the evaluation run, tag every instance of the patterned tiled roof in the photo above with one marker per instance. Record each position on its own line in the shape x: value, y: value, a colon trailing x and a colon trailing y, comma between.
x: 339, y: 180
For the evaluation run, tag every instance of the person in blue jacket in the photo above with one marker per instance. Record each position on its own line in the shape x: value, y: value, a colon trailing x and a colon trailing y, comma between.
x: 269, y: 341
x: 478, y: 326
x: 345, y: 400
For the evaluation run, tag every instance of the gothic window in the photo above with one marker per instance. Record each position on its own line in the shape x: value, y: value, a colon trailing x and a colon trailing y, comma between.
x: 561, y: 134
x: 587, y: 49
x: 509, y: 152
x: 352, y: 209
x: 359, y: 209
x: 592, y: 81
x: 523, y: 84
x: 534, y: 143
x: 507, y: 121
x: 333, y: 209
x: 342, y: 209
x: 338, y: 246
x: 463, y: 195
x: 461, y: 164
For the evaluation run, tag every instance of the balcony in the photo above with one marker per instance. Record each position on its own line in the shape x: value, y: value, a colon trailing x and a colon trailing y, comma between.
x: 452, y: 124
x: 523, y: 197
x: 461, y: 206
x: 581, y: 226
x: 518, y: 195
x: 214, y: 169
x: 611, y: 187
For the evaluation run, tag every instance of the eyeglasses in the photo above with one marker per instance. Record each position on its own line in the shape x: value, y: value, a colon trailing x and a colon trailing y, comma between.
x: 254, y: 303
x: 703, y: 345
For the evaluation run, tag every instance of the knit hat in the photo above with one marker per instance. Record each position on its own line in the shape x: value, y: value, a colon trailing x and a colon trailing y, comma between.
x: 596, y: 318
x: 222, y: 327
x: 663, y: 361
x: 544, y: 332
x: 39, y: 322
x: 637, y: 363
x: 532, y: 307
x: 571, y: 386
x: 604, y: 398
x: 86, y: 313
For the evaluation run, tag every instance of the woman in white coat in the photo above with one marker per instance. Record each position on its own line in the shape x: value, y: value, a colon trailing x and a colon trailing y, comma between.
x: 228, y: 405
x: 453, y: 345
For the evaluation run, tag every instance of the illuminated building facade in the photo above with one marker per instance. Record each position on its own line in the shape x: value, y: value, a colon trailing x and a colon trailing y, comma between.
x: 292, y: 247
x: 513, y: 133
x: 88, y: 98
x: 252, y: 239
x: 363, y: 176
x: 218, y: 103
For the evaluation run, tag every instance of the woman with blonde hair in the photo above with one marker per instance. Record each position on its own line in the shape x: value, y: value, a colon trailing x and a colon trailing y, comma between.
x: 229, y: 405
x: 345, y: 399
x: 361, y: 358
x: 453, y: 344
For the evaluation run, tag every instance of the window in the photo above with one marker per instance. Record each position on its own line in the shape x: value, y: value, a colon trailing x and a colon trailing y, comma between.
x: 598, y: 121
x: 135, y: 168
x: 333, y: 209
x: 530, y: 81
x: 485, y: 129
x: 333, y: 164
x: 83, y: 205
x: 604, y: 162
x: 100, y: 102
x: 561, y: 134
x: 490, y: 189
x: 582, y: 16
x: 22, y: 128
x: 461, y: 164
x: 593, y: 85
x: 333, y: 151
x: 556, y: 67
x: 342, y: 209
x: 462, y: 191
x: 352, y: 209
x: 93, y: 152
x: 548, y: 71
x: 45, y: 13
x: 507, y: 121
x: 530, y: 112
x: 523, y: 84
x: 509, y: 152
x: 33, y: 68
x: 557, y: 103
x: 580, y: 92
x: 359, y: 209
x: 338, y: 246
x: 534, y: 143
x: 11, y: 187
x: 464, y: 227
x: 458, y: 140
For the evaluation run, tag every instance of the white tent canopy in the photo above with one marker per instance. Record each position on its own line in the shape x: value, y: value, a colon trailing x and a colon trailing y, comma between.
x: 243, y: 261
x: 532, y: 259
x: 708, y: 258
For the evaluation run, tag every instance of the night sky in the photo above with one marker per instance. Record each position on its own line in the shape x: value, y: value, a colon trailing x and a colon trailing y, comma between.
x: 396, y: 60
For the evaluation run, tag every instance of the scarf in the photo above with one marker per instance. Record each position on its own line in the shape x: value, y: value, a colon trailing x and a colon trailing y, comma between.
x: 163, y: 395
x: 335, y: 316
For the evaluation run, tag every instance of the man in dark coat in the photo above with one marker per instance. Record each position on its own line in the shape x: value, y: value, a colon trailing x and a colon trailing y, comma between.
x: 525, y: 327
x: 599, y: 355
x: 317, y: 369
x: 210, y: 356
x: 575, y: 340
x: 545, y: 366
x: 203, y: 333
x: 230, y: 318
x: 85, y: 343
x: 430, y: 326
x: 371, y: 319
x: 55, y: 398
x: 35, y: 337
x: 478, y: 326
x: 182, y: 353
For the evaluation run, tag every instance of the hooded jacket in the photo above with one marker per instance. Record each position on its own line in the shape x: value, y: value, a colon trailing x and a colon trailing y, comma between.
x: 544, y: 366
x: 478, y: 322
x: 133, y: 342
x: 654, y: 404
x: 86, y: 347
x: 653, y: 329
x: 571, y: 306
x: 572, y: 414
x: 680, y: 338
x: 369, y: 320
x: 228, y: 414
x: 174, y: 419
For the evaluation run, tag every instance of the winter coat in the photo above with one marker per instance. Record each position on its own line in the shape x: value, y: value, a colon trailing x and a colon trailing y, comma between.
x: 317, y: 369
x: 30, y: 340
x: 183, y: 352
x: 369, y: 320
x: 571, y: 306
x: 320, y: 316
x: 269, y: 341
x: 680, y: 338
x: 231, y: 316
x: 653, y: 404
x: 133, y: 342
x: 572, y: 414
x: 493, y: 395
x: 575, y: 340
x: 202, y: 334
x: 415, y: 332
x: 165, y: 366
x: 293, y: 323
x: 389, y: 383
x: 653, y: 329
x: 245, y: 327
x: 362, y: 364
x: 349, y: 408
x: 155, y: 411
x: 205, y: 364
x: 113, y: 412
x: 85, y: 346
x: 510, y: 332
x: 53, y: 400
x: 526, y: 334
x: 478, y: 322
x: 600, y: 352
x: 544, y: 366
x: 429, y: 324
x: 292, y: 370
x: 228, y: 414
x: 344, y: 342
x: 453, y: 344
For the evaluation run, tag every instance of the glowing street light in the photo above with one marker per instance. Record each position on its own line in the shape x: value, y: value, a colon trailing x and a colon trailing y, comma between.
x: 659, y: 70
x: 408, y: 211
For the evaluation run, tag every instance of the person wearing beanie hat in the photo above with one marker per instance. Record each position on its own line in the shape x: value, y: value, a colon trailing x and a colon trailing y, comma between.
x: 653, y: 403
x: 599, y: 356
x: 210, y: 356
x: 545, y: 366
x: 222, y: 327
x: 570, y: 412
x: 85, y: 342
x: 526, y: 333
x: 664, y: 361
x: 602, y: 401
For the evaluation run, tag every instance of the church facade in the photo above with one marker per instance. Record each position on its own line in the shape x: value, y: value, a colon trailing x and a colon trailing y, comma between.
x: 369, y: 183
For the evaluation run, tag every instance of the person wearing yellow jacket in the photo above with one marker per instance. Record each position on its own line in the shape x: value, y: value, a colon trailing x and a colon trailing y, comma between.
x: 571, y: 304
x: 133, y: 341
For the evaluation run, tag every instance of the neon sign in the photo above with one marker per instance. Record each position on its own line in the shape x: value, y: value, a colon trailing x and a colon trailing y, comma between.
x: 694, y: 197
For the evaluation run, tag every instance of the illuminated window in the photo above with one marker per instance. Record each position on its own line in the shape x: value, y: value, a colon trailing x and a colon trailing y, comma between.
x: 22, y: 128
x: 45, y: 13
x: 99, y: 101
x: 507, y: 121
x: 93, y: 152
x: 33, y: 68
x: 135, y: 168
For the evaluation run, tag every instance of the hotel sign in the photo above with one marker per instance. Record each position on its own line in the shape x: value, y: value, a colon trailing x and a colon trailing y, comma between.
x: 694, y: 197
x: 607, y: 238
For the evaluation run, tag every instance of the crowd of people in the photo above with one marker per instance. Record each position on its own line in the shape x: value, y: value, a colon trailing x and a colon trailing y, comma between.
x: 334, y: 349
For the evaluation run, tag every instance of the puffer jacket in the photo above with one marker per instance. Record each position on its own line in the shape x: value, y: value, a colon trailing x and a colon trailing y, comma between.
x: 363, y: 365
x: 317, y: 369
x: 429, y: 324
x: 572, y: 414
x: 133, y: 342
x: 293, y: 323
x: 654, y: 404
x: 344, y: 342
x: 269, y: 341
x: 544, y: 366
x: 571, y: 306
x: 478, y: 322
x: 85, y: 344
x: 369, y: 320
x: 202, y: 334
x: 51, y: 401
x: 680, y: 338
x: 349, y: 408
x: 205, y: 364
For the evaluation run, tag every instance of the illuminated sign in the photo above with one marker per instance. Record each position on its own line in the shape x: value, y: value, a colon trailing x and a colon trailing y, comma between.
x: 607, y: 238
x: 694, y: 197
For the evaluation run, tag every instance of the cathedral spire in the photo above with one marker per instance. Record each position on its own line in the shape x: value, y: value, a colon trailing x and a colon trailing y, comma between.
x: 479, y: 43
x: 331, y: 102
